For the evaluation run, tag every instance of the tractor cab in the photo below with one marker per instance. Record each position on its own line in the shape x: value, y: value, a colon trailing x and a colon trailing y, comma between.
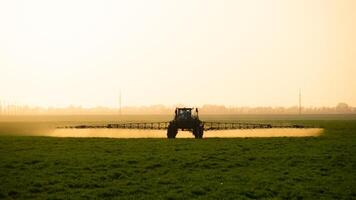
x: 186, y: 114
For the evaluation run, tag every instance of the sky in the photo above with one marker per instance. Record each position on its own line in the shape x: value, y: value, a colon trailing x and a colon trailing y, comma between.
x: 192, y: 52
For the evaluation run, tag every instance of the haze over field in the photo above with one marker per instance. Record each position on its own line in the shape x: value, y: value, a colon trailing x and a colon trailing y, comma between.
x: 245, y: 53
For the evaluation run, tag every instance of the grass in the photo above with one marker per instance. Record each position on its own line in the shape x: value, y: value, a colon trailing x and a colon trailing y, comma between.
x: 250, y: 168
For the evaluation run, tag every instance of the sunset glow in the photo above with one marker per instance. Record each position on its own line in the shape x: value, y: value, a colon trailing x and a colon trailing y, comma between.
x: 241, y: 53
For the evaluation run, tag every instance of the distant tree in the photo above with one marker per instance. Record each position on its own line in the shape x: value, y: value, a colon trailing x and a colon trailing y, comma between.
x: 342, y: 107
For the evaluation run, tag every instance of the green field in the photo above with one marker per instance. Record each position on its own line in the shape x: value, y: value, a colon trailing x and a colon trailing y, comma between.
x: 243, y: 168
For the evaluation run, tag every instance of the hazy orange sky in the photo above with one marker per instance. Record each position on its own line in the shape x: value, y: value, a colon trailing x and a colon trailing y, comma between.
x: 194, y: 52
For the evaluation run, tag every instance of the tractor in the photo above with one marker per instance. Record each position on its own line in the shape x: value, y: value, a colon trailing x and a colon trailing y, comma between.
x: 185, y: 120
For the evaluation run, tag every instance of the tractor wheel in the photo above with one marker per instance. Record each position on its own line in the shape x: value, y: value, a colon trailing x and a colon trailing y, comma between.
x: 198, y: 132
x: 201, y: 132
x: 172, y: 131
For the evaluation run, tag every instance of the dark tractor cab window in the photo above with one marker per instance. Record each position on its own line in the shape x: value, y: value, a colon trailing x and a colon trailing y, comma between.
x: 184, y: 114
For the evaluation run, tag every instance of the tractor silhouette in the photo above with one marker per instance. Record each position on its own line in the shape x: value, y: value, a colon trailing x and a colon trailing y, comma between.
x: 185, y: 120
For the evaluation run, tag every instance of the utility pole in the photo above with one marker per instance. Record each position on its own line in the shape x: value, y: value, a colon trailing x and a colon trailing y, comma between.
x: 5, y: 110
x: 120, y: 108
x: 300, y: 102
